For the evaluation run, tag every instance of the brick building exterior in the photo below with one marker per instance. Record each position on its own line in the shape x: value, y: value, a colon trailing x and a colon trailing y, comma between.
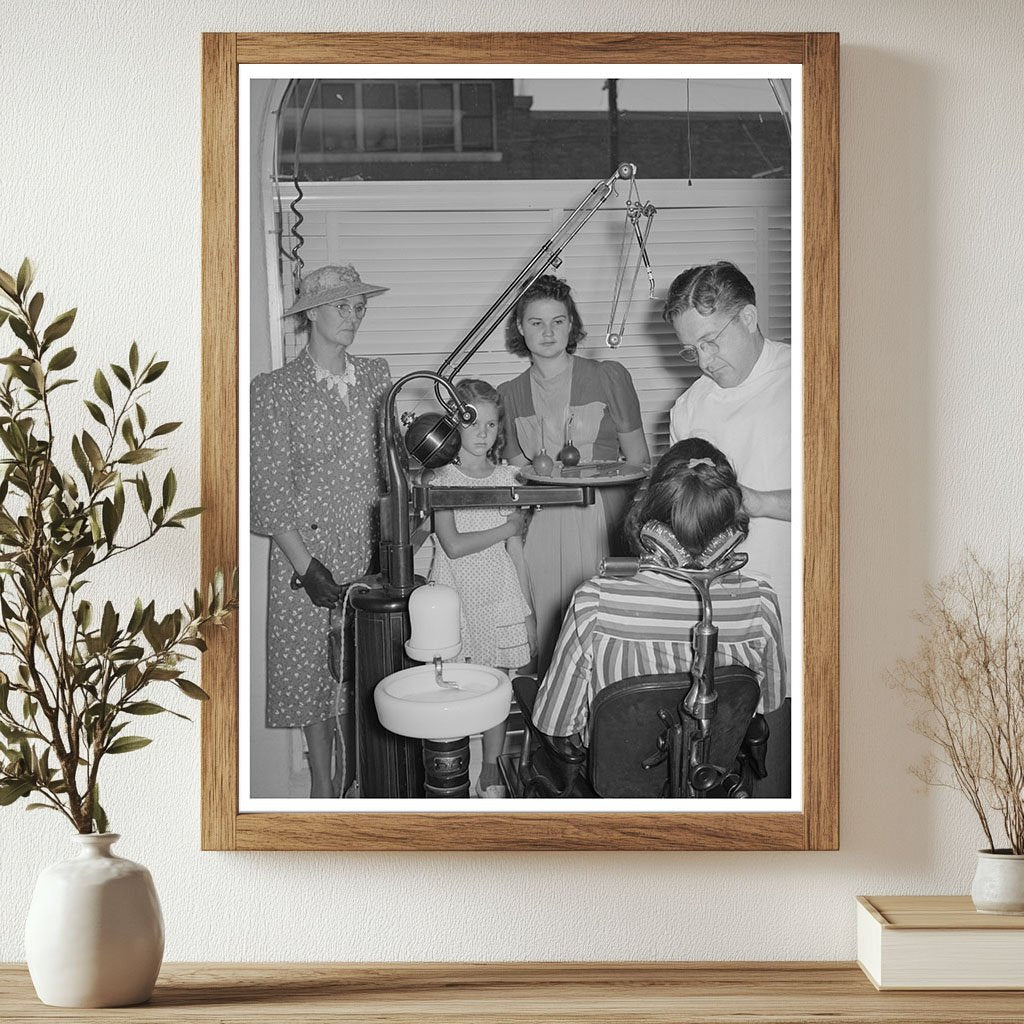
x: 425, y: 129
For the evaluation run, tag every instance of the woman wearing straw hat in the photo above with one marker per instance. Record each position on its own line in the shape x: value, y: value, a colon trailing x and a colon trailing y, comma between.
x: 315, y: 483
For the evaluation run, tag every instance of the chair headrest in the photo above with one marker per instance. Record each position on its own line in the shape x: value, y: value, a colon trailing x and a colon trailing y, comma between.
x: 662, y: 545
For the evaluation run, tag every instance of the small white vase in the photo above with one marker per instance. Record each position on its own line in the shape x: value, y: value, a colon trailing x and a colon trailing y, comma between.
x: 95, y: 933
x: 999, y: 883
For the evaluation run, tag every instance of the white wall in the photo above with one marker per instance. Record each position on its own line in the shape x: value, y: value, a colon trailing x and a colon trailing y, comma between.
x: 99, y: 178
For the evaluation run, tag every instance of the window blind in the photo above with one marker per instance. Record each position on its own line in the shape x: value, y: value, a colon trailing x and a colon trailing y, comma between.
x: 447, y: 249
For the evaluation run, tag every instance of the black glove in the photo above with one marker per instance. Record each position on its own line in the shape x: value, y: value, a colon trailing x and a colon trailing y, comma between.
x: 319, y: 584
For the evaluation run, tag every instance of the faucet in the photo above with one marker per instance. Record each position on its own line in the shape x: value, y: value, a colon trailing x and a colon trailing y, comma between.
x: 439, y: 677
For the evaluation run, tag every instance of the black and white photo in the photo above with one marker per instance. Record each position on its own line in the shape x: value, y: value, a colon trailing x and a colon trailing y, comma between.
x: 520, y: 380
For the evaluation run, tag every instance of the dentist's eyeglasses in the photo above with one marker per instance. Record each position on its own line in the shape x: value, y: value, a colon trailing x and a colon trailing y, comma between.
x: 691, y: 353
x: 347, y: 310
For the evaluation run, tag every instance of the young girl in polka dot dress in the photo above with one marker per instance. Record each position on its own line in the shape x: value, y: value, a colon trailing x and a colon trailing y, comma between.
x: 480, y: 553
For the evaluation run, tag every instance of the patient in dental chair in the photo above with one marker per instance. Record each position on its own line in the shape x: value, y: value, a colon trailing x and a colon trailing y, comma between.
x: 616, y: 628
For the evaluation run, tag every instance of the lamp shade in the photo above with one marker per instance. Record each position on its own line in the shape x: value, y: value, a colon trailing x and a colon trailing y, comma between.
x: 432, y: 440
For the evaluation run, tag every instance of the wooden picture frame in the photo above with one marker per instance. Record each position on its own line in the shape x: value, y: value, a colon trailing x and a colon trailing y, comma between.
x: 816, y: 826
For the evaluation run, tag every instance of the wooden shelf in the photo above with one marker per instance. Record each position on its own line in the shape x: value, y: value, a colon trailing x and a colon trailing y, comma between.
x: 631, y: 993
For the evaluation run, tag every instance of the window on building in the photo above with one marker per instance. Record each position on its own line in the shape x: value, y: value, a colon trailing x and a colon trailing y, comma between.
x: 378, y: 112
x: 331, y: 123
x: 374, y: 118
x: 477, y: 103
x: 437, y: 116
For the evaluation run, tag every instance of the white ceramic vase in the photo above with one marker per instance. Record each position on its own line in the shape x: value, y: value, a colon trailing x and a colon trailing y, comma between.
x: 999, y: 883
x: 95, y: 933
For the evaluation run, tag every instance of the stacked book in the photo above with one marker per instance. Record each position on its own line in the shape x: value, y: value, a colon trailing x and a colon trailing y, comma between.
x: 938, y: 942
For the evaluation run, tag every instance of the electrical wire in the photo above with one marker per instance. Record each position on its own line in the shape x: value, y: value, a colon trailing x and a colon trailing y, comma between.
x: 278, y: 202
x: 297, y: 262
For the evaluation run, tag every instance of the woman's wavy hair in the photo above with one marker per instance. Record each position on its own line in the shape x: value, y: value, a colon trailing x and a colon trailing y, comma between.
x: 545, y: 287
x: 471, y: 390
x: 693, y: 490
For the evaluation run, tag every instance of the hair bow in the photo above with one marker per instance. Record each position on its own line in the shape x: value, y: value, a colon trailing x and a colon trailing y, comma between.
x: 694, y: 463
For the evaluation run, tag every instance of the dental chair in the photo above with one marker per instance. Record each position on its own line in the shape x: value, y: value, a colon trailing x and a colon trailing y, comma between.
x: 694, y: 734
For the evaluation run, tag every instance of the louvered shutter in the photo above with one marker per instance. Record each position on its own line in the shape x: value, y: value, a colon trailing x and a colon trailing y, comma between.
x: 447, y: 249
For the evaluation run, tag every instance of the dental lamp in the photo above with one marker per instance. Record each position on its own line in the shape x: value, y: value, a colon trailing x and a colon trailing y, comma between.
x: 390, y: 765
x: 432, y: 439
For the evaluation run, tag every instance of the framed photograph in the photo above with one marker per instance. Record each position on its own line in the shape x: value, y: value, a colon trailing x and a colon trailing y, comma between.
x: 520, y: 419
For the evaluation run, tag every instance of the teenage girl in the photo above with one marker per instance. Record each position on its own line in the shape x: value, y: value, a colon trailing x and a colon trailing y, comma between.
x: 480, y: 553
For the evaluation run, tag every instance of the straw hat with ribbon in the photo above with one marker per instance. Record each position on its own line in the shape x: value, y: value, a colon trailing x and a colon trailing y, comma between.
x: 328, y: 285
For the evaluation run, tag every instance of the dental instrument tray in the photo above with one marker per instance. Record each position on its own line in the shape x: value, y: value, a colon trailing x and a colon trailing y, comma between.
x: 593, y: 474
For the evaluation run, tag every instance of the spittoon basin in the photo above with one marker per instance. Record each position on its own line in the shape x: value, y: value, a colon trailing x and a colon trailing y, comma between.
x: 411, y: 703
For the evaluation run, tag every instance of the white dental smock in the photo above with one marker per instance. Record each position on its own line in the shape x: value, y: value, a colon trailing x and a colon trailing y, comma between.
x: 751, y: 425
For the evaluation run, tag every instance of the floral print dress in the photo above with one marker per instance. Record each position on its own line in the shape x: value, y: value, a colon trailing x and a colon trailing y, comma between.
x: 315, y: 468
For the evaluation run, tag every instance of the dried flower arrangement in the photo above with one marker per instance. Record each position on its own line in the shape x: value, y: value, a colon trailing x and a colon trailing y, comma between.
x: 967, y: 680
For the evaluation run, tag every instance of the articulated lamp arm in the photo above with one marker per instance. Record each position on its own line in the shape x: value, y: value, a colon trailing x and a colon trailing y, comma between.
x: 548, y: 255
x: 396, y: 545
x: 396, y: 548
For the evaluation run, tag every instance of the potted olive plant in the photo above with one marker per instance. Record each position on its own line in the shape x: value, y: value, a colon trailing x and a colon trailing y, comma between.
x: 967, y: 682
x: 78, y: 671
